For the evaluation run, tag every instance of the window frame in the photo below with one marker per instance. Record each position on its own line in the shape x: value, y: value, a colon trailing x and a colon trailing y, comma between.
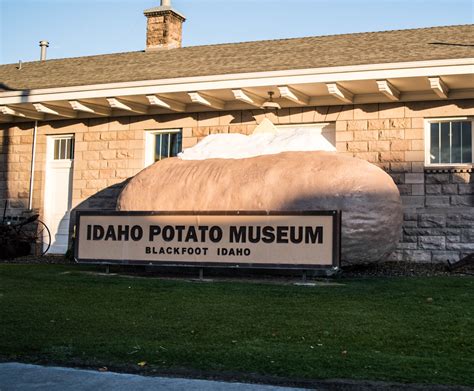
x: 428, y: 122
x: 150, y: 142
x: 51, y: 142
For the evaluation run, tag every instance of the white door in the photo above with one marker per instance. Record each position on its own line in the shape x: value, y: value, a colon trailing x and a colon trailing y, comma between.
x: 58, y: 190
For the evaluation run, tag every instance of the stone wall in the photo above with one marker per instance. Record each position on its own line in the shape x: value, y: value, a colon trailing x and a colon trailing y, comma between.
x: 439, y: 206
x: 441, y: 226
x: 15, y: 163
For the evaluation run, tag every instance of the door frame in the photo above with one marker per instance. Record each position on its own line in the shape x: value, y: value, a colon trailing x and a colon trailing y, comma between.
x: 51, y: 165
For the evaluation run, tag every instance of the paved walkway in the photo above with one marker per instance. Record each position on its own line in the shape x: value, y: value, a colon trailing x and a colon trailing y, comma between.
x: 26, y: 377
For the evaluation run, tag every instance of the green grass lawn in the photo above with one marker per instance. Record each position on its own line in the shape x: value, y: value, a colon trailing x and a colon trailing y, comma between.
x: 400, y: 329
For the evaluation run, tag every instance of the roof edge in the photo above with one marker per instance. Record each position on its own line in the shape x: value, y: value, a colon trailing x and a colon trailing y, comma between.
x: 327, y: 74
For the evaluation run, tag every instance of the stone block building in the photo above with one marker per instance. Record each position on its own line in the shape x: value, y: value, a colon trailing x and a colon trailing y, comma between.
x: 72, y: 131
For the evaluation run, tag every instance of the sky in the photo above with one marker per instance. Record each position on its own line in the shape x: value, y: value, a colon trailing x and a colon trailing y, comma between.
x: 88, y: 27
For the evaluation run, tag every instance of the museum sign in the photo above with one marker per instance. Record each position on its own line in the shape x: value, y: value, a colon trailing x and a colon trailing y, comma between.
x: 239, y: 239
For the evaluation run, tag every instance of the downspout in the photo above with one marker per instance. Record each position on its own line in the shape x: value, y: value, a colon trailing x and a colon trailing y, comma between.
x: 32, y: 171
x: 43, y: 46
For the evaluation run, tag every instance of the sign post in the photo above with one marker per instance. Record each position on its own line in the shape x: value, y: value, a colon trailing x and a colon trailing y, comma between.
x: 288, y: 240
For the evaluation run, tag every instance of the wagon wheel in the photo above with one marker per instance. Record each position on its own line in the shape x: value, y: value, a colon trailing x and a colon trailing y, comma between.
x: 42, y: 238
x: 36, y: 233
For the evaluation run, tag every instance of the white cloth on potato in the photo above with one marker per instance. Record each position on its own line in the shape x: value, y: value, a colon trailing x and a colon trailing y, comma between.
x: 239, y: 146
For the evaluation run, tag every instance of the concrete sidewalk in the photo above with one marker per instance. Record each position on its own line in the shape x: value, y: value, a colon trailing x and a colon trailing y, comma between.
x: 26, y: 377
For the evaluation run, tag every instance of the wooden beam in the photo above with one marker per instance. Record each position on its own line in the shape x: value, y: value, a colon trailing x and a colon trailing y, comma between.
x: 439, y: 87
x: 293, y: 95
x: 248, y: 97
x: 206, y: 100
x: 126, y: 105
x: 388, y: 90
x: 22, y: 113
x: 54, y: 110
x: 166, y: 103
x: 90, y: 108
x: 340, y: 93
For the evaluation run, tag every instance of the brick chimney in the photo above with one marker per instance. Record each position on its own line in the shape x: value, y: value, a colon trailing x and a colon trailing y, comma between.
x: 164, y: 29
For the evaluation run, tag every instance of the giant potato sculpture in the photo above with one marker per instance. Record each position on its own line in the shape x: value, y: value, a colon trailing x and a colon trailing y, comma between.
x: 288, y: 181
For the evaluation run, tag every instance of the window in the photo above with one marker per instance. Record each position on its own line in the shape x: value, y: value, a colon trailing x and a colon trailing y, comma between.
x: 63, y: 148
x: 449, y: 142
x: 162, y: 144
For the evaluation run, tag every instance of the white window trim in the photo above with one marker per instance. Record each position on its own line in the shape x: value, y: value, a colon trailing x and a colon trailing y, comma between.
x: 428, y: 122
x: 50, y: 139
x: 150, y: 143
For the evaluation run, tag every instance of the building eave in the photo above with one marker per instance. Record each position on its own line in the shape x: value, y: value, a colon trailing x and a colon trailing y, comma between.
x: 380, y: 79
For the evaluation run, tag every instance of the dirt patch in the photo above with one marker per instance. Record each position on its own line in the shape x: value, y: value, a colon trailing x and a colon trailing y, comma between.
x: 377, y: 269
x: 43, y: 260
x: 405, y: 269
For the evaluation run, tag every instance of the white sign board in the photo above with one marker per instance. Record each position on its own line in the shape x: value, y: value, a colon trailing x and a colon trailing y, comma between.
x: 306, y: 239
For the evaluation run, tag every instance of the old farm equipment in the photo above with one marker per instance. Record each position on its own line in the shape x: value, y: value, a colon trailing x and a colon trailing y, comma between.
x: 29, y: 236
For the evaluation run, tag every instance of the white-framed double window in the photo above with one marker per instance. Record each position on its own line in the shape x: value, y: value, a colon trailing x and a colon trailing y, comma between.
x: 162, y: 144
x: 449, y: 141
